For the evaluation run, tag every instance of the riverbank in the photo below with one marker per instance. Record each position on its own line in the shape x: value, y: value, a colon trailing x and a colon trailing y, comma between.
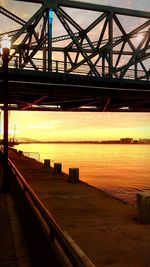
x: 106, y: 229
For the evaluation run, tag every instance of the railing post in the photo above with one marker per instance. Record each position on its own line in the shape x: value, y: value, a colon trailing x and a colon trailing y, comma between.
x: 65, y: 62
x: 103, y: 65
x: 56, y: 65
x: 135, y: 71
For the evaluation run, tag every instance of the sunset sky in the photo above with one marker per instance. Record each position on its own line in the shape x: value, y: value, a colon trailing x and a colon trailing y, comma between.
x: 71, y: 125
x: 78, y: 126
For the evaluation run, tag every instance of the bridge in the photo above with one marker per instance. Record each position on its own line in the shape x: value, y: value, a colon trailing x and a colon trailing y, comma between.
x: 62, y: 61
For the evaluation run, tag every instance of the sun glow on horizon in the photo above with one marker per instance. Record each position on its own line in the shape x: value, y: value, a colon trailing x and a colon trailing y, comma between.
x: 75, y: 126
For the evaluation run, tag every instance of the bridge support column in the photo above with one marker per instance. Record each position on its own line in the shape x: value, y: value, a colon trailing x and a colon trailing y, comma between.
x: 50, y: 19
x: 5, y: 44
x: 111, y: 47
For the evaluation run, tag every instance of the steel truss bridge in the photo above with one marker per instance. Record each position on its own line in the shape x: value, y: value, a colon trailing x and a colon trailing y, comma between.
x: 79, y: 56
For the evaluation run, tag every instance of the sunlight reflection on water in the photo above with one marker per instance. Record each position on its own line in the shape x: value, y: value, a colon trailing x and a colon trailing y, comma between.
x: 122, y: 170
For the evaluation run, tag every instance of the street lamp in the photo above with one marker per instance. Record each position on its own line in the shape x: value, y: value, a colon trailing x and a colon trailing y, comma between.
x: 5, y: 50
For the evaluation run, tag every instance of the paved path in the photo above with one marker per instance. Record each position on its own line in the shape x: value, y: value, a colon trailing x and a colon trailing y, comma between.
x: 106, y: 229
x: 13, y: 252
x: 7, y: 248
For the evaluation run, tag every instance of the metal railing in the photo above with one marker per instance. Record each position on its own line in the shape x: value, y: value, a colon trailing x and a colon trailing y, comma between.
x: 33, y: 155
x: 62, y: 67
x: 48, y: 245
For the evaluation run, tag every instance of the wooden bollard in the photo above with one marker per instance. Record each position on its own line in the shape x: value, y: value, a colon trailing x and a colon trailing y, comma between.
x: 1, y: 154
x: 143, y: 207
x: 73, y: 175
x: 47, y: 163
x: 20, y: 152
x: 57, y: 168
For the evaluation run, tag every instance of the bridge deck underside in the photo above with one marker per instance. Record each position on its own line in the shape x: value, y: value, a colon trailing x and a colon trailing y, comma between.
x: 55, y: 91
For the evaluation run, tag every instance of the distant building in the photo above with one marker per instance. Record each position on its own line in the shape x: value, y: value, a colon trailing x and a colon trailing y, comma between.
x: 144, y: 141
x: 126, y: 140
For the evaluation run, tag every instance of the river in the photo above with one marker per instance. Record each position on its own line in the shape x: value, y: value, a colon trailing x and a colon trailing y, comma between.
x: 121, y: 170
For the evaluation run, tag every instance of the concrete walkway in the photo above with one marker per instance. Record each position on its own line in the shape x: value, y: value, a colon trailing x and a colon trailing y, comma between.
x: 106, y: 229
x: 13, y: 252
x: 7, y: 248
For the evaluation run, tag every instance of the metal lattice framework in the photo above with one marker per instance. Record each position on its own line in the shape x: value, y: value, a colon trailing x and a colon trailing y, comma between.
x: 105, y: 47
x: 79, y: 56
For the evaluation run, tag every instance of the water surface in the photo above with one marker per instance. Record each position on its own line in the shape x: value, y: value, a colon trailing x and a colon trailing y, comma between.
x: 122, y: 170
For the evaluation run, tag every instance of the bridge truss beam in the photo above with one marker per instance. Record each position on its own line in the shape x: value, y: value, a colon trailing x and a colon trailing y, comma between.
x: 104, y: 56
x: 104, y: 48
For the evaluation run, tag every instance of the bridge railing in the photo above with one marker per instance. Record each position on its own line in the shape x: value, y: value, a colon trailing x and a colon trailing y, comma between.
x: 62, y: 67
x: 48, y: 245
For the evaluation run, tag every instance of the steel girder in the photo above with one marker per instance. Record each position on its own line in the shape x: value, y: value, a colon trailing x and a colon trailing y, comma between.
x: 90, y: 6
x: 11, y: 16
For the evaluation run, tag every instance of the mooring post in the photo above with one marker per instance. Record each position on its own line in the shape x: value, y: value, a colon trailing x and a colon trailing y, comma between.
x: 20, y: 152
x: 57, y: 168
x: 73, y: 175
x: 47, y: 163
x: 143, y: 207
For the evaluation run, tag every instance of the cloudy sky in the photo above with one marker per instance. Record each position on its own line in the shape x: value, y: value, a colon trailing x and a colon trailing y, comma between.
x: 75, y: 126
x: 25, y: 10
x: 133, y: 4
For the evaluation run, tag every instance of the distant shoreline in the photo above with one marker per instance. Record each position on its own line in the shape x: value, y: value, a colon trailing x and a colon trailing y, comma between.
x: 84, y: 142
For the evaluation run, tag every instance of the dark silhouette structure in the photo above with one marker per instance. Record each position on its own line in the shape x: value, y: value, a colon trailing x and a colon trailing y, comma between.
x: 102, y: 63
